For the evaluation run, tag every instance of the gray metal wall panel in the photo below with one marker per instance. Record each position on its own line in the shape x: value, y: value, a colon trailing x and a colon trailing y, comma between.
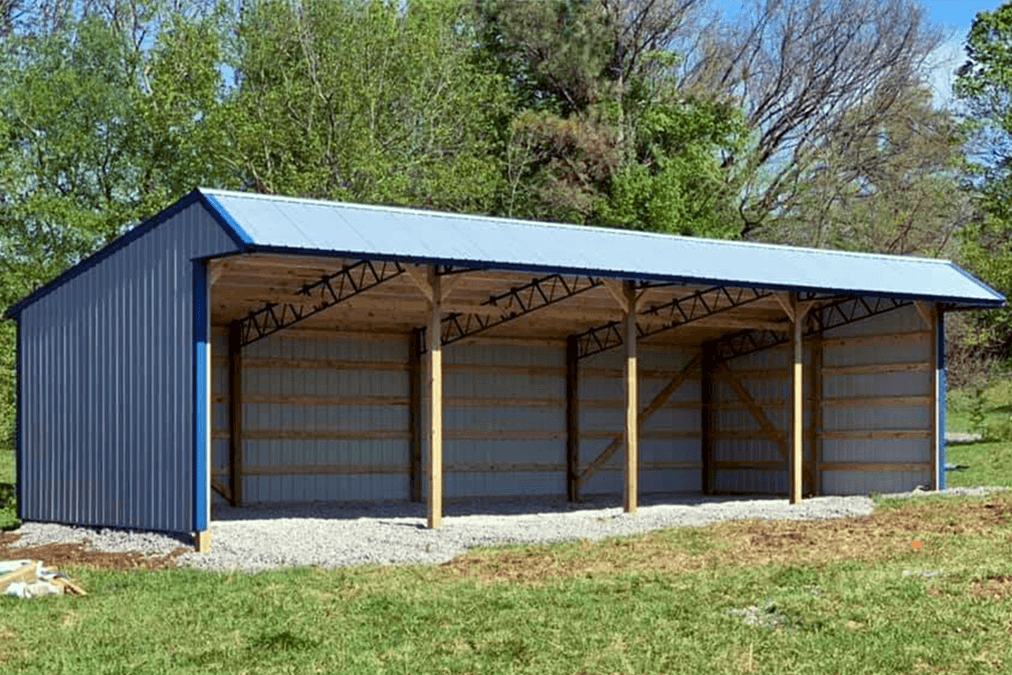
x: 107, y: 434
x: 601, y: 378
x: 765, y: 376
x: 519, y: 373
x: 878, y: 417
x: 381, y: 370
x: 769, y: 387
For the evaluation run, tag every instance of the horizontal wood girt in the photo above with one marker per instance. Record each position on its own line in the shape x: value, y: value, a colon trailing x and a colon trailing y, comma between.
x: 839, y: 312
x: 674, y: 313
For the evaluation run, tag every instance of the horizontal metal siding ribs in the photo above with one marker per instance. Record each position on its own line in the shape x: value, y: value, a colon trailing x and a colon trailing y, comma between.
x: 670, y: 442
x: 746, y: 460
x: 517, y: 448
x: 108, y: 417
x: 314, y: 430
x: 883, y: 445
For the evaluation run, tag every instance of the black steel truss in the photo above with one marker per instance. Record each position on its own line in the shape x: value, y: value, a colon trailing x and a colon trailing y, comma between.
x: 515, y: 303
x: 677, y: 312
x: 330, y: 290
x: 839, y: 312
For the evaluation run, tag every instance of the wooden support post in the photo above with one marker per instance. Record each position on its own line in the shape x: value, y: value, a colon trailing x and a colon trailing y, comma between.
x: 706, y: 421
x: 235, y: 413
x: 572, y: 419
x: 202, y: 542
x: 812, y: 473
x: 416, y: 416
x: 796, y: 454
x: 631, y: 404
x: 434, y: 368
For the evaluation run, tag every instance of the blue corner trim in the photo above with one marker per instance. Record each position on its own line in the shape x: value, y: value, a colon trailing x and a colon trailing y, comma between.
x: 18, y: 428
x: 228, y: 223
x: 942, y: 377
x: 200, y: 396
x: 112, y: 247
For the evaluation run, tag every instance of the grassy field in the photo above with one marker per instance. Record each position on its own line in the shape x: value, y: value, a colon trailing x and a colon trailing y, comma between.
x: 990, y: 463
x: 922, y: 586
x: 851, y: 596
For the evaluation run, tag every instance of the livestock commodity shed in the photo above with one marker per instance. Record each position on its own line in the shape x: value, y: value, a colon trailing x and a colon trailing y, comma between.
x: 263, y: 349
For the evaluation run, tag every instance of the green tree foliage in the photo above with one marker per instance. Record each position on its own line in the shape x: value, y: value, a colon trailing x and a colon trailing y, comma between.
x: 602, y: 134
x: 96, y: 132
x: 984, y: 85
x: 366, y: 101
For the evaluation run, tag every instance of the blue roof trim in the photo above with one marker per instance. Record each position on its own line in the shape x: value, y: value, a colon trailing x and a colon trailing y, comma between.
x: 225, y: 219
x: 999, y: 300
x: 226, y: 222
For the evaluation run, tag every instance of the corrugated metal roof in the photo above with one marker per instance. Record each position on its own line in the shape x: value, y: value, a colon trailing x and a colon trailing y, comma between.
x: 303, y: 225
x: 284, y: 224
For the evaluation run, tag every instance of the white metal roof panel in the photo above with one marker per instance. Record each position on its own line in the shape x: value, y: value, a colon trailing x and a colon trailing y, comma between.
x: 281, y: 223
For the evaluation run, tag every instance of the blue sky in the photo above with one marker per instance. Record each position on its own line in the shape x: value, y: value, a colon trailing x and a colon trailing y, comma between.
x: 955, y: 16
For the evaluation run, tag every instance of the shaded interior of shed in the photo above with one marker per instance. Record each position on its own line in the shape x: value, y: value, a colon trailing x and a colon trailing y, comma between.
x: 321, y: 386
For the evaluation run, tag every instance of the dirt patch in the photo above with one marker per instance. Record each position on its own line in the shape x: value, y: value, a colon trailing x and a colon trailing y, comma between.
x: 64, y: 555
x: 887, y: 534
x: 996, y: 587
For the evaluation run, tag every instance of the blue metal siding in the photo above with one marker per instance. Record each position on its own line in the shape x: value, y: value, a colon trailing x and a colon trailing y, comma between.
x: 302, y: 225
x: 106, y: 430
x: 942, y: 384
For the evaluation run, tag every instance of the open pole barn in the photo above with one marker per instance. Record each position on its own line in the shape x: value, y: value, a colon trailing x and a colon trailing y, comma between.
x: 261, y: 349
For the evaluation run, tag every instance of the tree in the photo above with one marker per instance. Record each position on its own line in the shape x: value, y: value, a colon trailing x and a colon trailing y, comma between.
x: 798, y: 69
x: 601, y: 133
x: 884, y: 182
x: 984, y: 85
x: 366, y: 101
x: 97, y: 133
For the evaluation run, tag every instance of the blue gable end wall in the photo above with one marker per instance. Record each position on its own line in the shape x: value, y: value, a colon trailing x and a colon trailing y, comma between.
x: 107, y: 376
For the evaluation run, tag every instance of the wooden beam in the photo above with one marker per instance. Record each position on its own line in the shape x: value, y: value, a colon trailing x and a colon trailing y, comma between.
x: 656, y: 404
x: 434, y: 371
x: 877, y: 368
x: 926, y: 312
x: 572, y: 419
x: 874, y: 467
x: 796, y: 458
x: 617, y: 291
x: 756, y: 410
x: 812, y: 477
x: 422, y: 281
x: 235, y: 413
x: 416, y: 415
x: 878, y: 435
x: 631, y: 404
x: 786, y: 302
x: 706, y: 419
x: 202, y: 541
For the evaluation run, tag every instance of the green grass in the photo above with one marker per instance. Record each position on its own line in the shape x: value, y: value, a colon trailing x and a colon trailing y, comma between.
x: 839, y: 615
x: 8, y: 504
x: 990, y: 463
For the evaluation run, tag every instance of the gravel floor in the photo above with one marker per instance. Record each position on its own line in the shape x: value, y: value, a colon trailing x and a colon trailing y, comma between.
x: 334, y: 535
